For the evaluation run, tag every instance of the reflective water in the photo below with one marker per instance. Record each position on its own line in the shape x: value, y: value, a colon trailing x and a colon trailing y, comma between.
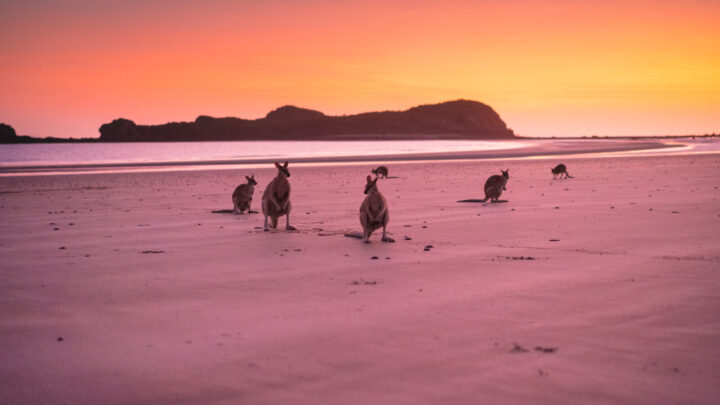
x: 96, y: 153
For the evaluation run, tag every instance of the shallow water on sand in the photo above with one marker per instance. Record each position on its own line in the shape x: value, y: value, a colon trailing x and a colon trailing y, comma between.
x: 39, y: 159
x: 145, y: 152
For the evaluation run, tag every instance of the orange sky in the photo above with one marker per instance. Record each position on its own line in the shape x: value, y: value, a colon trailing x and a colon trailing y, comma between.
x: 563, y: 68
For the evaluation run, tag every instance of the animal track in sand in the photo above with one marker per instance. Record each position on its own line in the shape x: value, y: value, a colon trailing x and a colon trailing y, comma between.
x: 693, y: 258
x: 519, y: 349
x: 363, y: 282
x: 517, y: 257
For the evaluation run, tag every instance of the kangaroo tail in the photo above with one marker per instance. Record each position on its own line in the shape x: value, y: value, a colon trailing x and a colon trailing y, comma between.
x: 274, y: 222
x: 568, y: 175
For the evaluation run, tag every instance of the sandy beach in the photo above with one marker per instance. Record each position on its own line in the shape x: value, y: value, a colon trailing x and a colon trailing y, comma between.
x: 603, y: 288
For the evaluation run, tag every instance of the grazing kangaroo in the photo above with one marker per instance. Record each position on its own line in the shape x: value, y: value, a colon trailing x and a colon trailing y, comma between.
x: 559, y: 170
x: 380, y: 171
x: 374, y: 212
x: 276, y: 198
x: 242, y: 196
x: 495, y: 185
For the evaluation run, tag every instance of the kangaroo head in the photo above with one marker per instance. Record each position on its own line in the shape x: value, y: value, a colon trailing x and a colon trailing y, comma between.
x: 251, y: 180
x: 505, y: 173
x: 371, y: 184
x: 283, y: 168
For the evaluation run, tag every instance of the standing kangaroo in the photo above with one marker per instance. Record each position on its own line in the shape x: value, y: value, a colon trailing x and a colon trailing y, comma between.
x: 374, y: 212
x: 495, y: 185
x: 242, y: 196
x: 559, y: 170
x: 276, y: 198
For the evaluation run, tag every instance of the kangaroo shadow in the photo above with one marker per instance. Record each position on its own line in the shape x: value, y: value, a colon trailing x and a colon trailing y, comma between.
x: 481, y: 201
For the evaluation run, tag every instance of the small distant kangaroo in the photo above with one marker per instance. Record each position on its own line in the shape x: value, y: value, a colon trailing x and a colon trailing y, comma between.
x: 242, y: 196
x: 559, y: 170
x: 276, y: 198
x: 495, y: 185
x: 374, y: 212
x: 380, y: 171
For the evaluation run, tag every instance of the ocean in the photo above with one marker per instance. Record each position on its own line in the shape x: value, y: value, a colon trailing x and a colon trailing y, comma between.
x: 54, y: 158
x: 84, y: 154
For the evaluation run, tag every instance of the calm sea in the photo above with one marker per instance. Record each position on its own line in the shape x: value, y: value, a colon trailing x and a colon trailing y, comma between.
x: 122, y: 157
x: 157, y: 152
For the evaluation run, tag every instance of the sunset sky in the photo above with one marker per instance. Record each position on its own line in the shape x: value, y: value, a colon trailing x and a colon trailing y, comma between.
x: 562, y: 68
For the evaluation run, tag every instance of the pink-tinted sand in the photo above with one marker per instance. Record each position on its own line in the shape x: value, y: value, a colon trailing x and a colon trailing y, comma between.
x: 157, y: 300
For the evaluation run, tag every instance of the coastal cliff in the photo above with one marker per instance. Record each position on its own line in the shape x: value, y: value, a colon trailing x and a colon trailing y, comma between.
x: 459, y: 119
x: 8, y: 135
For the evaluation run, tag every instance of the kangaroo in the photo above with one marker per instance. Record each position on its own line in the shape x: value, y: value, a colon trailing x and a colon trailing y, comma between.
x: 559, y: 170
x: 276, y: 198
x: 242, y: 196
x: 380, y: 171
x: 374, y: 212
x: 495, y: 185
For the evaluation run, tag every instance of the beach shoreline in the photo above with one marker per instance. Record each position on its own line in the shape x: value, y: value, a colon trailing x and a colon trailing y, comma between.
x: 533, y: 149
x: 126, y: 288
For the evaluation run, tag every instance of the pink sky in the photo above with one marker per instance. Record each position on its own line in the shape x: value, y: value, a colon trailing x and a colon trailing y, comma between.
x: 550, y: 68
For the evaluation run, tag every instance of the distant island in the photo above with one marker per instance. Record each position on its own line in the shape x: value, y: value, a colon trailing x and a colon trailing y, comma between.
x: 460, y: 119
x: 8, y: 135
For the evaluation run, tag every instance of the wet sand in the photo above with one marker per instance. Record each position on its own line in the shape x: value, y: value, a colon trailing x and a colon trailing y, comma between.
x: 519, y: 148
x: 125, y: 288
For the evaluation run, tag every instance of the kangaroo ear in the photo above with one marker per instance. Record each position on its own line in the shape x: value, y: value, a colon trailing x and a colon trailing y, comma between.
x: 369, y: 179
x: 248, y: 178
x: 286, y: 163
x: 277, y: 165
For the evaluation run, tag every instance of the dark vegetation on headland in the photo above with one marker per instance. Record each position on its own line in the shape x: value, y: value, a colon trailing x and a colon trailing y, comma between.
x: 460, y: 119
x: 8, y: 135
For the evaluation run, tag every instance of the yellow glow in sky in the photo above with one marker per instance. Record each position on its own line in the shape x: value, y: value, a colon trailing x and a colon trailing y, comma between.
x: 549, y: 68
